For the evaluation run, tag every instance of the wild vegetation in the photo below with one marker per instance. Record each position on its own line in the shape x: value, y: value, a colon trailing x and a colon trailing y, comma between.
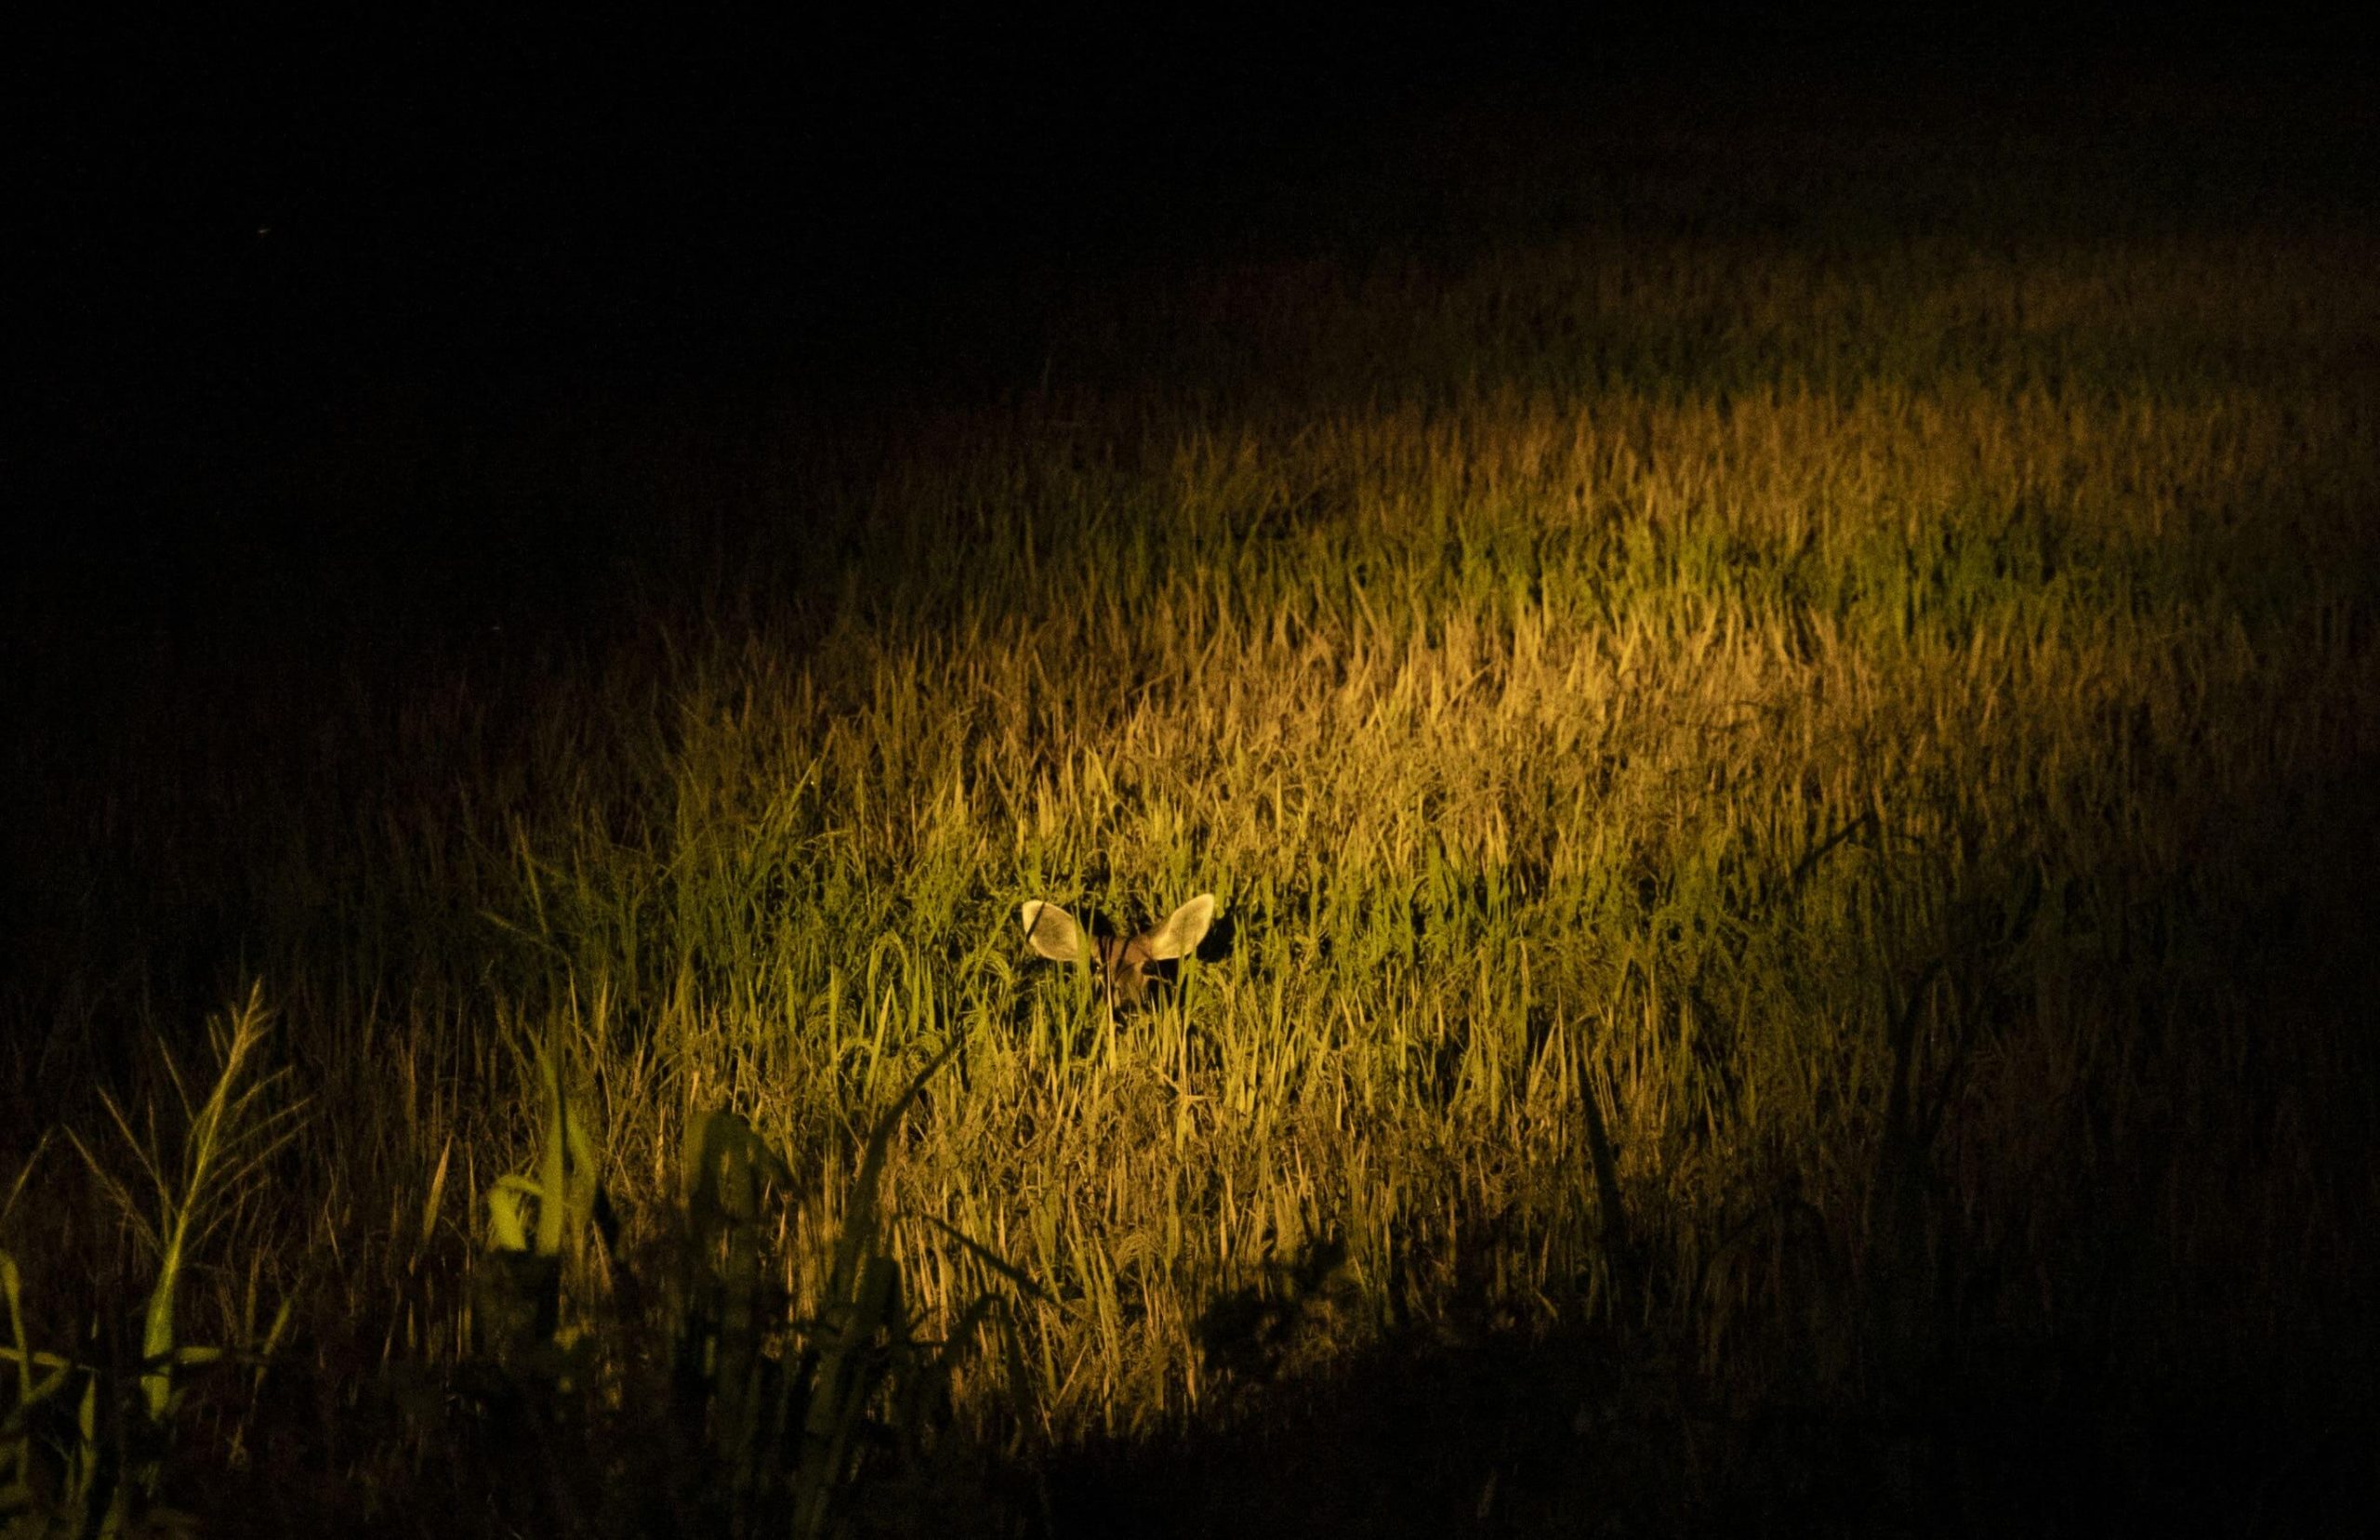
x: 1790, y: 812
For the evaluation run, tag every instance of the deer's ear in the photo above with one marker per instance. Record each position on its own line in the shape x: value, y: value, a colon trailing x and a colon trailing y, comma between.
x: 1183, y: 929
x: 1051, y: 931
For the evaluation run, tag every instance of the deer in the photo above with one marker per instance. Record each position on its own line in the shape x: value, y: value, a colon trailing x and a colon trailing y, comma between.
x: 1124, y: 969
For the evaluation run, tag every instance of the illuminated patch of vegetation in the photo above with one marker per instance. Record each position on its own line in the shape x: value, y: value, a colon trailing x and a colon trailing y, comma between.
x: 1795, y: 817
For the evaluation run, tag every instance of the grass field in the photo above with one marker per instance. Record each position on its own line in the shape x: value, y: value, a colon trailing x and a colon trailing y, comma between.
x: 1791, y: 812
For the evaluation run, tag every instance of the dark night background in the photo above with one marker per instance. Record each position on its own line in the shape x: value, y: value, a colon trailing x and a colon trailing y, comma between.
x: 403, y: 245
x: 247, y: 244
x: 261, y: 224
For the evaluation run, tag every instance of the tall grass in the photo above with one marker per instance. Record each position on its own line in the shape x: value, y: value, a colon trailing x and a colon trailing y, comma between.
x: 1803, y: 804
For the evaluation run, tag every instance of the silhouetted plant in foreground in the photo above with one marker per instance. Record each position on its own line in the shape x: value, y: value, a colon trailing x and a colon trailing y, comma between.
x: 86, y: 1447
x: 819, y: 1425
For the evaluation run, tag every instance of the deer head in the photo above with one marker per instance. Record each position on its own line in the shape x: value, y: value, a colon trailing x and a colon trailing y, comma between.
x: 1121, y: 966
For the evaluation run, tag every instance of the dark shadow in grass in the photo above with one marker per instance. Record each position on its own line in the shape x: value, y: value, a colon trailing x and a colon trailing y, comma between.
x: 1251, y: 1335
x: 1221, y: 941
x: 1588, y: 1431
